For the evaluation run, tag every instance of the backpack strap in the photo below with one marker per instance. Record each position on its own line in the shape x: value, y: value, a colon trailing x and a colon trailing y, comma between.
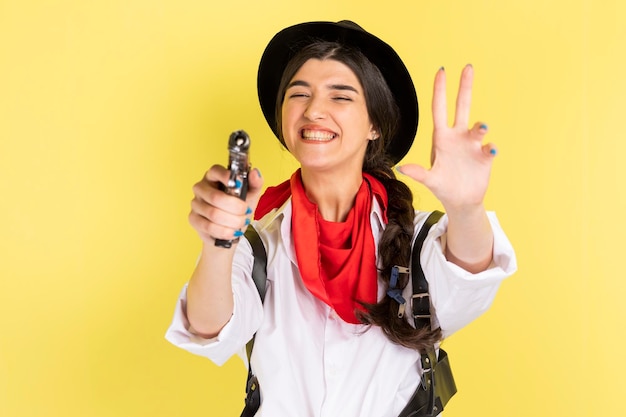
x: 259, y: 276
x: 420, y: 301
x: 437, y: 385
x: 259, y: 269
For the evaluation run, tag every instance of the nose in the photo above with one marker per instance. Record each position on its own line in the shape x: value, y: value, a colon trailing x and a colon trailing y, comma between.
x: 315, y: 109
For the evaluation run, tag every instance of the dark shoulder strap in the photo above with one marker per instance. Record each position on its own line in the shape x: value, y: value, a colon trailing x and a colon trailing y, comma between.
x: 421, y: 300
x: 437, y: 385
x: 259, y: 269
x: 259, y: 276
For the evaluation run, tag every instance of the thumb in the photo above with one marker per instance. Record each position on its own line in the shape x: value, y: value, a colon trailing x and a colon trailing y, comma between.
x: 414, y: 171
x: 255, y: 187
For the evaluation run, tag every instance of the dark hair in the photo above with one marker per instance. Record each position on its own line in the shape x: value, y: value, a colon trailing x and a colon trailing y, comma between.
x: 394, y: 247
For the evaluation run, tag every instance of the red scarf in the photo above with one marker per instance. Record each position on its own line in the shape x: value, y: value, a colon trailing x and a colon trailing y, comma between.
x: 337, y: 261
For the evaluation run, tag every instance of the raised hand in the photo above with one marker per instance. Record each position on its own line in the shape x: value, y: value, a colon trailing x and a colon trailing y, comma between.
x: 460, y: 162
x: 459, y: 176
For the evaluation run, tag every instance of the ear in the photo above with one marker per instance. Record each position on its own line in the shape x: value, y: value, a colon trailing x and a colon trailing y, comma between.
x: 373, y: 134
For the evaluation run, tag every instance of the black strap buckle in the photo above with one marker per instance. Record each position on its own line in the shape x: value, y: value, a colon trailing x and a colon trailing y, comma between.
x: 420, y: 304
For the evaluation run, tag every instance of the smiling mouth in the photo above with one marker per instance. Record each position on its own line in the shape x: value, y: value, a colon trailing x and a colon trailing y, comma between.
x: 317, y: 136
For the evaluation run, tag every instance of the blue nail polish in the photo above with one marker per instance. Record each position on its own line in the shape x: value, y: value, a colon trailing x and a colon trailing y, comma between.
x: 248, y: 211
x: 247, y: 222
x: 258, y: 172
x: 493, y: 151
x: 483, y: 126
x: 238, y: 233
x: 237, y: 184
x: 399, y: 169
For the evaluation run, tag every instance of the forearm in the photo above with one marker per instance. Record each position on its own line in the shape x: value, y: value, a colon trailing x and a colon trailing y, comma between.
x: 469, y: 239
x: 209, y: 292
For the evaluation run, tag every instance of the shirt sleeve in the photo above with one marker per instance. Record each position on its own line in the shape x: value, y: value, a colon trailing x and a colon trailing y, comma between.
x: 247, y: 316
x: 458, y: 296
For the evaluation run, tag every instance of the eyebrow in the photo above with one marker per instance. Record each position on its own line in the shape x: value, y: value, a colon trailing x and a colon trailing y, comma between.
x: 342, y: 87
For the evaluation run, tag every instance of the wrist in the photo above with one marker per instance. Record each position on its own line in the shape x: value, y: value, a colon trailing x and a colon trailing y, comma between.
x: 465, y: 212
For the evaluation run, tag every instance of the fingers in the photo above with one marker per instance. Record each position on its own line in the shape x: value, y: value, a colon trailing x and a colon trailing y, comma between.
x: 490, y: 150
x: 209, y: 191
x: 463, y: 100
x: 440, y: 109
x: 478, y: 133
x: 211, y: 223
x: 479, y: 130
x: 216, y: 214
x: 417, y: 172
x: 464, y: 97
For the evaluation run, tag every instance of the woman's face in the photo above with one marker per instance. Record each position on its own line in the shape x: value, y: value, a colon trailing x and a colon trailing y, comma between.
x: 325, y: 123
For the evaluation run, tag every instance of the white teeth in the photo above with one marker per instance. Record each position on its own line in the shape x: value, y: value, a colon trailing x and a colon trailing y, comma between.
x: 317, y: 135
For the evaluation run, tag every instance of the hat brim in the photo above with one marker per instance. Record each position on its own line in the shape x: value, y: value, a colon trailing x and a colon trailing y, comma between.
x: 286, y: 43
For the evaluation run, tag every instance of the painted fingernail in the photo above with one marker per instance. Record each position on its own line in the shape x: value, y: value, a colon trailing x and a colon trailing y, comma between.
x: 399, y: 169
x: 483, y: 126
x: 258, y: 172
x: 248, y: 211
x: 442, y: 68
x: 238, y: 233
x: 237, y: 183
x: 493, y: 151
x: 247, y: 222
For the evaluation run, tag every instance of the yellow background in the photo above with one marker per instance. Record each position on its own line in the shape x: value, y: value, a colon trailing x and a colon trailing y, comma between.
x: 111, y: 110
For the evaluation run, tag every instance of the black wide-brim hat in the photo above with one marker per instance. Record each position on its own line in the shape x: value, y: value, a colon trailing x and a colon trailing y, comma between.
x: 286, y: 43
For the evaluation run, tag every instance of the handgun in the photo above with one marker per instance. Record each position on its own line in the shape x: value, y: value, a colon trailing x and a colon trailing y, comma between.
x: 239, y: 166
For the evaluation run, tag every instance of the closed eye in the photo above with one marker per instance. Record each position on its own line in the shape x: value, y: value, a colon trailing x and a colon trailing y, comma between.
x: 297, y: 88
x: 298, y: 95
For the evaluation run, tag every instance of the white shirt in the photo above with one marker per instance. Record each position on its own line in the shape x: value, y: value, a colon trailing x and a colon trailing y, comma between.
x: 308, y: 361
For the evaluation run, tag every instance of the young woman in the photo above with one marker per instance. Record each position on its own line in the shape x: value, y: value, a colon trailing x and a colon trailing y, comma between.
x: 329, y: 340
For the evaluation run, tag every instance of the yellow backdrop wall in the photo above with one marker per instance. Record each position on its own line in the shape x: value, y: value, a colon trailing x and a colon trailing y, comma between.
x: 111, y: 110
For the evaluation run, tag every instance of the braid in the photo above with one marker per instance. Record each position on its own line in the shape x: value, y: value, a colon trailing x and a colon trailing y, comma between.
x: 394, y: 248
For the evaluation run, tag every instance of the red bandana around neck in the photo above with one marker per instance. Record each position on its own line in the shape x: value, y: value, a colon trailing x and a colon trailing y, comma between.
x: 337, y: 261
